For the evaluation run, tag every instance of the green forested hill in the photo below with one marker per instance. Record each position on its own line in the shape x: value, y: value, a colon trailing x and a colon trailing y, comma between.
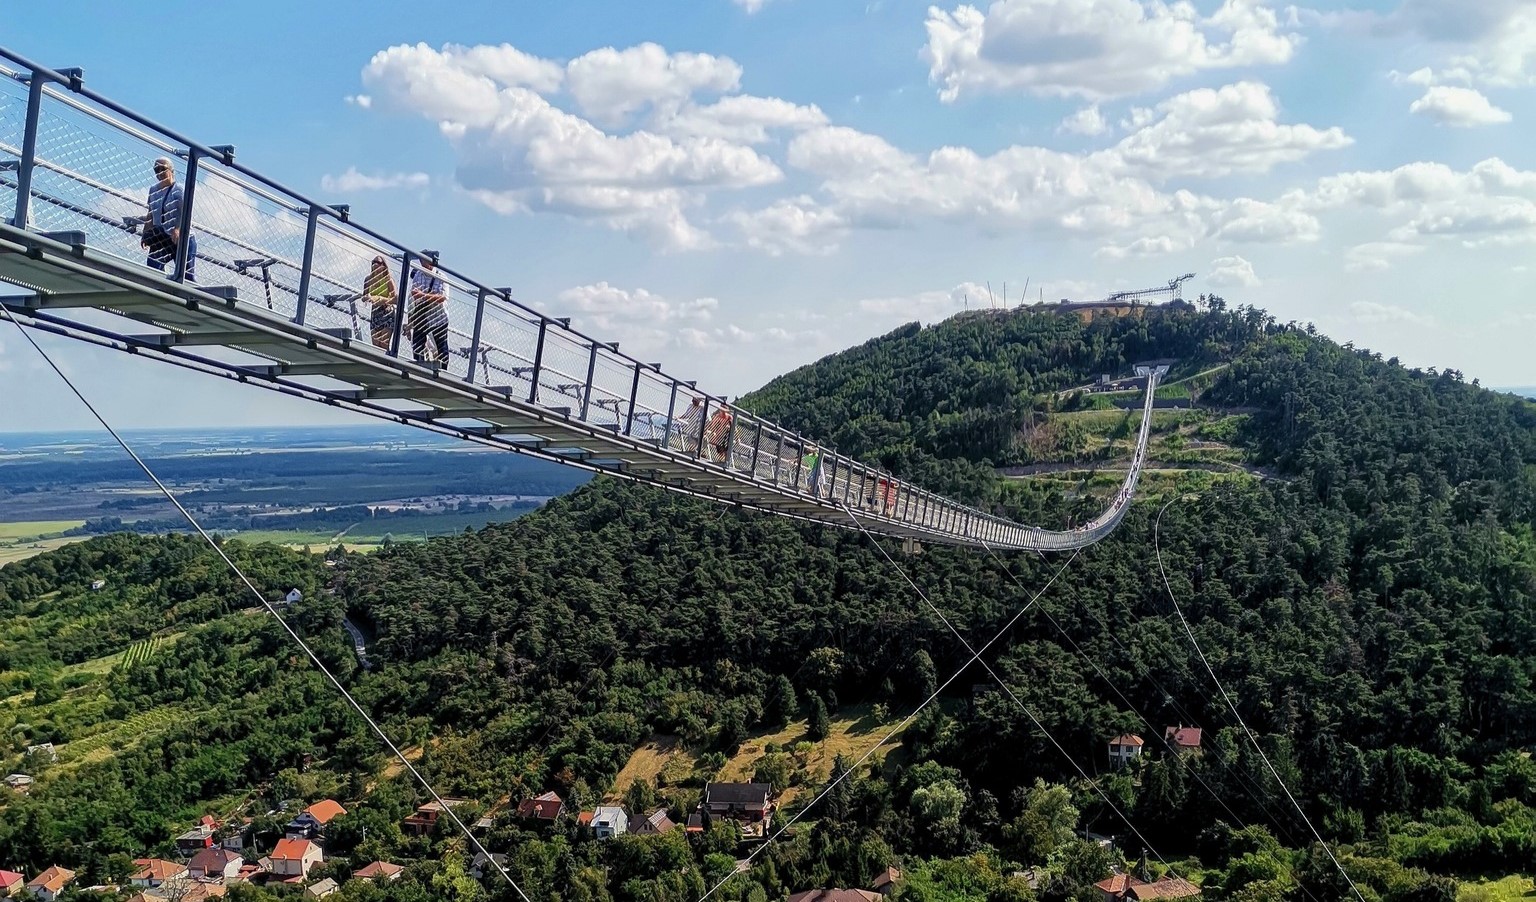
x: 1372, y: 614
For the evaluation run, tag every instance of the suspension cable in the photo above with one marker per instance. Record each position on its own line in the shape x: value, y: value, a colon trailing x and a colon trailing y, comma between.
x: 975, y: 656
x: 271, y: 609
x: 1252, y: 738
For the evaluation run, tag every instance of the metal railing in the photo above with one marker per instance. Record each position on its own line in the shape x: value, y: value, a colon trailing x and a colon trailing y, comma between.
x: 72, y: 160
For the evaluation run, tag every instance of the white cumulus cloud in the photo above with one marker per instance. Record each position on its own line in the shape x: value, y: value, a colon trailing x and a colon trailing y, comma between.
x: 1461, y: 107
x: 1232, y: 272
x: 1095, y: 48
x: 1086, y: 121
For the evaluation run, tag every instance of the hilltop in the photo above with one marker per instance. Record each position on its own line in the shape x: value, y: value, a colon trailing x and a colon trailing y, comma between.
x: 1367, y: 607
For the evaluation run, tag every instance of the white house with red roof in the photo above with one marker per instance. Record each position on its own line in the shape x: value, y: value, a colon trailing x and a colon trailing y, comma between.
x: 293, y: 858
x: 153, y: 872
x: 11, y: 883
x: 1124, y: 749
x: 49, y: 884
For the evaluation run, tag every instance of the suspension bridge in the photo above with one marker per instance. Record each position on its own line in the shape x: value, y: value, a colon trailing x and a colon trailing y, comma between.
x: 287, y: 297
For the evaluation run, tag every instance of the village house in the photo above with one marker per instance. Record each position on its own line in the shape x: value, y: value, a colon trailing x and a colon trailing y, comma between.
x: 424, y: 821
x: 21, y: 784
x: 183, y: 889
x: 483, y: 864
x: 745, y: 803
x: 98, y: 584
x: 1166, y: 888
x: 321, y: 889
x: 294, y: 596
x: 215, y: 864
x: 44, y: 750
x: 49, y: 884
x: 1124, y: 749
x: 836, y: 895
x: 11, y: 883
x: 310, y: 823
x: 379, y: 869
x: 152, y: 872
x: 885, y: 882
x: 544, y: 809
x: 1183, y: 740
x: 654, y: 824
x: 293, y: 858
x: 609, y: 821
x: 195, y: 840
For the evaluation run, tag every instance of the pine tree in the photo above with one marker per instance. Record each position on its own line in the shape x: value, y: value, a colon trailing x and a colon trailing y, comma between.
x: 820, y: 724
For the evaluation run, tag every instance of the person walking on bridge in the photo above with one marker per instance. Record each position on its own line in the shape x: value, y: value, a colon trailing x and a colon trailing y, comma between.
x: 162, y: 227
x: 429, y: 311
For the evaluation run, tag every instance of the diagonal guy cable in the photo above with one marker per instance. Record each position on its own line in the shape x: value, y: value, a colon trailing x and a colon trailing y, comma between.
x: 1156, y: 547
x: 975, y: 656
x: 268, y: 605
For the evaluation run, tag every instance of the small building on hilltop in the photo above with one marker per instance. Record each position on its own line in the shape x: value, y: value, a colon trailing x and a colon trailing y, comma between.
x: 293, y: 858
x: 152, y: 872
x: 21, y: 784
x: 746, y: 803
x: 836, y: 895
x: 388, y: 871
x: 215, y: 864
x: 424, y: 821
x: 48, y: 885
x: 11, y: 883
x: 195, y: 840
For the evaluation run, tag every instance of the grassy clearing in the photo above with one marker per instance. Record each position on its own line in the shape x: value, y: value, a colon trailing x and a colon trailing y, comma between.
x: 25, y: 549
x: 1507, y: 890
x: 35, y: 529
x: 854, y: 732
x: 648, y: 761
x: 120, y: 736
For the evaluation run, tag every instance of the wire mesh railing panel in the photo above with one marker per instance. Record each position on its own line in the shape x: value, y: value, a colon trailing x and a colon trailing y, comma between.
x: 247, y: 239
x: 507, y: 345
x: 611, y: 381
x: 563, y: 370
x: 353, y: 284
x: 93, y: 178
x: 13, y: 127
x: 652, y: 401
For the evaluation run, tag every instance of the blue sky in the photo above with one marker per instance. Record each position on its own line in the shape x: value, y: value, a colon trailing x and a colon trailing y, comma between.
x: 737, y: 187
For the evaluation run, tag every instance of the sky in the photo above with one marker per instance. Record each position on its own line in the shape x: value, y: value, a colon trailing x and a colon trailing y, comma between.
x: 738, y: 187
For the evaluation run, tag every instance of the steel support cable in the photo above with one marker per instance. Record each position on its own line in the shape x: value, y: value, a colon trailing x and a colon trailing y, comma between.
x: 975, y: 656
x: 1188, y: 768
x: 1232, y: 706
x: 271, y: 609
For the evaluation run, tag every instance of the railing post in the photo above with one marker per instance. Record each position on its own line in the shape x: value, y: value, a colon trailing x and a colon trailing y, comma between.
x: 586, y: 393
x: 306, y: 268
x: 634, y: 395
x: 756, y: 446
x: 778, y: 457
x: 474, y: 338
x: 188, y: 192
x: 404, y: 295
x: 538, y: 361
x: 666, y: 435
x: 703, y: 426
x: 730, y: 442
x: 28, y: 151
x: 799, y: 460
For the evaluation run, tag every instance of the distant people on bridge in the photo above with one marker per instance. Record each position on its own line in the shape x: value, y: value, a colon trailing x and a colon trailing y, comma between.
x: 719, y: 434
x: 162, y: 227
x: 429, y: 312
x: 810, y: 465
x: 688, y: 425
x: 379, y: 290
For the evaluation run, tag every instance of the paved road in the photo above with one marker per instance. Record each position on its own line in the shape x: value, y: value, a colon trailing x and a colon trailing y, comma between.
x: 358, y: 645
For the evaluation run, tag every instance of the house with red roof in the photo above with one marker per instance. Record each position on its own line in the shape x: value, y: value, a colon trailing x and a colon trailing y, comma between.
x: 836, y: 895
x: 424, y: 821
x: 11, y: 883
x: 152, y: 872
x: 1182, y: 740
x: 1167, y: 888
x: 544, y: 809
x: 388, y: 871
x: 215, y: 864
x: 294, y: 857
x: 1124, y: 749
x: 49, y: 884
x: 1114, y: 888
x: 655, y: 823
x: 310, y: 823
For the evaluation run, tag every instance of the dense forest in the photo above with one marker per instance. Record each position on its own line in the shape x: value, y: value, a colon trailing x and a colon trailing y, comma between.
x: 1370, y: 613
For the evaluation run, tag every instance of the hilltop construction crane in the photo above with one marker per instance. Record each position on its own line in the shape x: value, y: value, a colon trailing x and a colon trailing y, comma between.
x: 1173, y: 288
